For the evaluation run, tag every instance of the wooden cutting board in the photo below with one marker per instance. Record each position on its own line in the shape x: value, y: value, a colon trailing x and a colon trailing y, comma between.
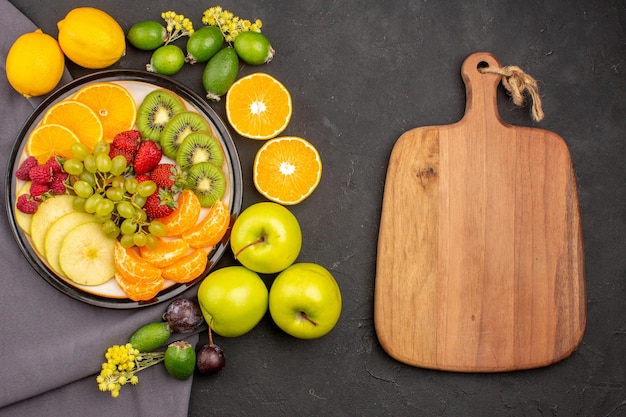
x: 480, y: 252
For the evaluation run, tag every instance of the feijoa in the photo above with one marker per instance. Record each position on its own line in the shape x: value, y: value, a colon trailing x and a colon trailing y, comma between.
x: 180, y: 359
x: 253, y: 48
x: 203, y: 44
x: 220, y: 73
x: 167, y: 60
x: 147, y: 35
x: 151, y: 336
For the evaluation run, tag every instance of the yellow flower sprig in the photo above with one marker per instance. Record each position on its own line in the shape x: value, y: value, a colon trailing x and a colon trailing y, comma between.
x: 123, y: 362
x: 229, y: 24
x: 177, y: 26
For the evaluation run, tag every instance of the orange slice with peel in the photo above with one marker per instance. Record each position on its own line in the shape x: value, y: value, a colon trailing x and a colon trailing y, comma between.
x: 140, y: 290
x: 77, y: 117
x: 166, y: 253
x: 50, y: 140
x: 184, y: 216
x: 132, y: 268
x: 210, y: 230
x: 187, y: 268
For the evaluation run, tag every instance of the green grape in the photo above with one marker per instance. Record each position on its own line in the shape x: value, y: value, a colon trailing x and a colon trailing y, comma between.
x: 102, y: 218
x: 101, y: 147
x: 118, y: 181
x: 157, y: 228
x: 118, y: 165
x: 128, y: 227
x: 73, y: 166
x: 92, y: 203
x: 139, y: 201
x: 127, y: 240
x: 79, y: 150
x: 88, y: 177
x: 104, y: 207
x: 103, y: 162
x: 131, y: 185
x: 146, y: 188
x: 83, y: 189
x: 113, y: 234
x: 109, y: 226
x: 125, y: 209
x: 140, y: 239
x: 90, y: 164
x: 78, y: 204
x: 115, y: 193
x: 151, y: 241
x: 141, y: 215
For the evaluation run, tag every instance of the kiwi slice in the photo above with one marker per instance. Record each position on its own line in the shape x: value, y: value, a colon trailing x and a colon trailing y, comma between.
x: 208, y: 182
x: 156, y: 109
x: 199, y: 147
x: 178, y: 128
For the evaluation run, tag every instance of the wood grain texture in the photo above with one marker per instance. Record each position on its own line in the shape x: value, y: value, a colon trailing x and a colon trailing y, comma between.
x: 480, y: 259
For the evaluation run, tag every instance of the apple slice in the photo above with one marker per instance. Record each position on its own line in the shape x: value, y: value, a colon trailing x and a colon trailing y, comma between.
x: 57, y: 232
x: 86, y: 255
x: 23, y: 219
x: 49, y: 211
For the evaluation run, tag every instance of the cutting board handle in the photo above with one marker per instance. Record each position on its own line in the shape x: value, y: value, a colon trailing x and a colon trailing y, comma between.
x: 481, y: 88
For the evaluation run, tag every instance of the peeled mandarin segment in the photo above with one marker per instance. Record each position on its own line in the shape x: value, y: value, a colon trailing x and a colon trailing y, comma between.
x: 50, y: 140
x: 287, y: 169
x: 184, y: 216
x: 167, y: 252
x: 77, y: 117
x: 187, y: 268
x: 258, y: 106
x: 211, y: 230
x: 140, y: 291
x: 131, y: 267
x: 113, y: 104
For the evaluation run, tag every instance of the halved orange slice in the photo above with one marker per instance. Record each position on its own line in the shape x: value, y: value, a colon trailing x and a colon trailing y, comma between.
x: 210, y: 230
x: 77, y: 117
x: 50, y: 140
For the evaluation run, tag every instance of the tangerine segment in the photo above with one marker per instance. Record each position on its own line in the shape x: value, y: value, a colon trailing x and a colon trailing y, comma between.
x: 187, y: 268
x: 113, y: 104
x: 167, y: 252
x: 258, y: 106
x: 210, y: 230
x: 132, y: 268
x: 140, y: 291
x: 77, y: 117
x: 184, y: 216
x: 50, y: 140
x: 287, y: 169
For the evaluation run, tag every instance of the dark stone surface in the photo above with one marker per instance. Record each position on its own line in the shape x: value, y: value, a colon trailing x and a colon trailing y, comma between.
x: 361, y: 73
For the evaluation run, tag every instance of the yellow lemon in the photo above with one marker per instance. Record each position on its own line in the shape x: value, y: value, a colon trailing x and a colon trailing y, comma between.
x: 91, y: 38
x: 35, y: 64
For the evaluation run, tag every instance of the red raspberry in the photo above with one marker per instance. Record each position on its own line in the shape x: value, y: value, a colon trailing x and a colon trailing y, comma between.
x: 41, y: 174
x: 148, y: 156
x: 22, y: 172
x: 37, y: 190
x: 54, y: 164
x: 26, y: 204
x: 128, y: 140
x: 141, y: 178
x: 58, y: 183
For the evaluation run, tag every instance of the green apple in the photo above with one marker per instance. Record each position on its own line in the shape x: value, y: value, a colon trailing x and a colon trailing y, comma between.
x: 266, y: 238
x: 233, y: 300
x: 305, y: 301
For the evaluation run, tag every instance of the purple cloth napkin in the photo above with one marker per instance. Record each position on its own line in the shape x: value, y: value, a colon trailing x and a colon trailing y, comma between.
x: 52, y: 346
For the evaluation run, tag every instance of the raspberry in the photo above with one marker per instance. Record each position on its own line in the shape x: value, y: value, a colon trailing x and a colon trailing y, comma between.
x: 26, y: 204
x: 37, y: 190
x: 41, y: 174
x: 54, y: 164
x: 22, y: 172
x: 141, y: 178
x: 58, y: 183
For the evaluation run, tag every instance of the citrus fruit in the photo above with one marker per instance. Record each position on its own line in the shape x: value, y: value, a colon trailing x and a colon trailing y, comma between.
x: 187, y: 268
x: 166, y: 253
x: 287, y: 169
x: 50, y: 140
x: 113, y: 104
x: 210, y: 230
x: 140, y: 290
x: 77, y: 117
x: 258, y: 106
x: 166, y: 60
x: 132, y: 268
x: 220, y: 73
x: 34, y: 64
x: 253, y: 48
x: 147, y: 35
x: 203, y: 44
x: 91, y: 38
x: 184, y: 216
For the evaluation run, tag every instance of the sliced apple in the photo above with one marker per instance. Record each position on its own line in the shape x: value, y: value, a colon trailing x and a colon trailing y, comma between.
x: 86, y: 255
x: 49, y: 211
x: 23, y: 219
x: 57, y: 232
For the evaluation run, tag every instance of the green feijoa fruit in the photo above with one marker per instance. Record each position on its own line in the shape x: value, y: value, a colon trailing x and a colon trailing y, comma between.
x: 167, y: 60
x: 147, y: 35
x: 253, y: 48
x: 150, y: 337
x: 180, y: 359
x: 220, y: 73
x: 203, y: 44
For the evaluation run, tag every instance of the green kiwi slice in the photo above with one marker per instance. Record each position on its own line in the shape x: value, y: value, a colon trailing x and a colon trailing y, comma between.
x: 178, y: 128
x: 208, y: 182
x: 199, y: 147
x: 156, y: 109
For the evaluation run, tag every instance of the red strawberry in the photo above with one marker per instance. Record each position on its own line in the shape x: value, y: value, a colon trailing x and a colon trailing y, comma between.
x: 58, y: 183
x: 24, y: 168
x: 37, y: 190
x: 129, y: 156
x: 148, y: 156
x: 159, y: 204
x: 168, y: 176
x: 41, y: 174
x: 127, y: 140
x: 26, y: 204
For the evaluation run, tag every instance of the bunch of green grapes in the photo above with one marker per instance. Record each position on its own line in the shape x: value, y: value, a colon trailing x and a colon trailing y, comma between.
x: 105, y: 188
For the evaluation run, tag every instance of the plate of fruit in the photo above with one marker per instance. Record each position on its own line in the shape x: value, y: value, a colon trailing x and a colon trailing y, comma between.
x: 122, y: 188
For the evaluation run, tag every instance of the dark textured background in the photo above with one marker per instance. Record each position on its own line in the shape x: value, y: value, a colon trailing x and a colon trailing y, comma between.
x: 361, y: 73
